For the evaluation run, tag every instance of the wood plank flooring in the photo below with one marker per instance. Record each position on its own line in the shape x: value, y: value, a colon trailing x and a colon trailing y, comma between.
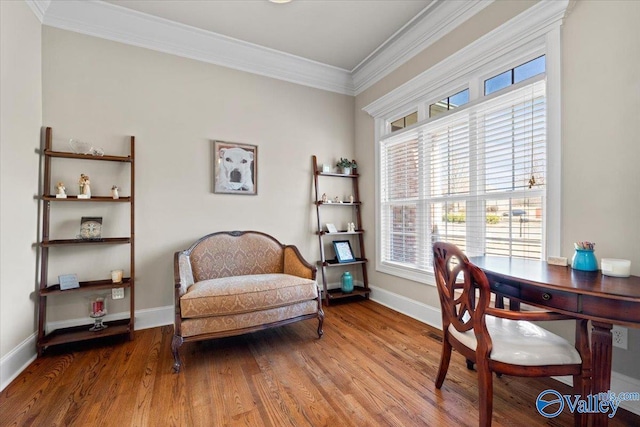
x: 373, y: 367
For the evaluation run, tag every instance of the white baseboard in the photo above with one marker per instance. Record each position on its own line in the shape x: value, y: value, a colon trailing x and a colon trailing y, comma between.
x: 17, y: 360
x: 412, y: 308
x: 620, y: 383
x: 154, y: 317
x: 431, y: 316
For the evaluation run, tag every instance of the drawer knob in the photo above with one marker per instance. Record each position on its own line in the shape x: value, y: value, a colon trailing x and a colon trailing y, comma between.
x: 546, y: 296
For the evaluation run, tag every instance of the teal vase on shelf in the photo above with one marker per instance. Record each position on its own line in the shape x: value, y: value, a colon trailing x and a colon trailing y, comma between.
x: 347, y: 283
x: 584, y: 260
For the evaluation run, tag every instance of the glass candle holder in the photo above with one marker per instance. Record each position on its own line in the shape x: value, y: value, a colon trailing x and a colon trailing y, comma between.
x: 97, y: 310
x: 346, y: 283
x: 116, y: 276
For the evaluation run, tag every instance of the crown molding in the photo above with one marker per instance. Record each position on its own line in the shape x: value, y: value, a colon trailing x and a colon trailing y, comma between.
x: 38, y: 7
x: 525, y: 31
x: 111, y: 22
x: 119, y: 24
x: 434, y: 22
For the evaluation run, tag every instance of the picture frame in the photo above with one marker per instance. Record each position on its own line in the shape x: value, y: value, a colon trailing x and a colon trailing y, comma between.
x: 331, y: 228
x: 68, y: 281
x: 235, y: 168
x: 91, y: 228
x: 343, y: 251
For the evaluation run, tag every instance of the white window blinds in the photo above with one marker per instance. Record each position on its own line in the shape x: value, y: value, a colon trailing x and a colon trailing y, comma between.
x: 475, y: 178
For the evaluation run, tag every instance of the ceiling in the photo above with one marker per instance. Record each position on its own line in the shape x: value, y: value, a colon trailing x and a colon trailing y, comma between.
x: 341, y: 33
x: 342, y: 46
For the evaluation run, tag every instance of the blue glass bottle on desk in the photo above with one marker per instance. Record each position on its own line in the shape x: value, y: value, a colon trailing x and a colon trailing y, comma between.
x: 347, y: 283
x: 584, y: 260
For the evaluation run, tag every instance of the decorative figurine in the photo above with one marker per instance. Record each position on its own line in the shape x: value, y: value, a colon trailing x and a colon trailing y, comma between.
x: 114, y: 192
x: 85, y: 187
x: 351, y: 199
x: 324, y: 197
x: 336, y: 200
x: 60, y: 191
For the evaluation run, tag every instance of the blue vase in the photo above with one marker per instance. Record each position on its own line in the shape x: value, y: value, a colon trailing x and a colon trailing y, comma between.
x: 584, y: 260
x: 347, y: 283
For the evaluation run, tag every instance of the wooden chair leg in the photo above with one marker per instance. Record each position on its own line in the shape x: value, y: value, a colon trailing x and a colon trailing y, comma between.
x: 176, y: 342
x: 485, y: 394
x: 320, y: 322
x: 445, y: 358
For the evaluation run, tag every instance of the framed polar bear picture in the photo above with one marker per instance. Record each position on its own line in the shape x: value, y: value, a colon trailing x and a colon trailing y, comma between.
x: 235, y: 168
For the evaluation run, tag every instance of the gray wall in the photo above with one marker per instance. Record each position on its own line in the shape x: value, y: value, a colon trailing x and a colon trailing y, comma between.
x: 20, y: 120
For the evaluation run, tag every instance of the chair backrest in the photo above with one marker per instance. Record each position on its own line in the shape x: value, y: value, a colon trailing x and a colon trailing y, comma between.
x: 457, y: 280
x: 235, y: 253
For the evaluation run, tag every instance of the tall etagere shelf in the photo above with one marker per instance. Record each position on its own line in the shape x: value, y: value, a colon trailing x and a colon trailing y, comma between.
x: 325, y: 237
x: 46, y: 290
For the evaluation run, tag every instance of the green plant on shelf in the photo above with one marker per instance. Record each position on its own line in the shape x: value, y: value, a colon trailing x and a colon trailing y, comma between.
x: 346, y: 163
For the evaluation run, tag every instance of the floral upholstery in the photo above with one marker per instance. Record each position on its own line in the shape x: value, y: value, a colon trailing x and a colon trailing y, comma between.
x: 240, y: 321
x: 243, y: 294
x: 230, y: 283
x: 227, y: 256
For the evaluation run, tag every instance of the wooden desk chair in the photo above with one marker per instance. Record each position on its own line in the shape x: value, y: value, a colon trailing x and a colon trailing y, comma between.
x: 499, y: 340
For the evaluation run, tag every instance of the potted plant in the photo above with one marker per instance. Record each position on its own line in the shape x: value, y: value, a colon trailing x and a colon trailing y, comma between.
x: 346, y: 165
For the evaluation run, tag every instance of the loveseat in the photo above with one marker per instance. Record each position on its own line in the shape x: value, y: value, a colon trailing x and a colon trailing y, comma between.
x: 232, y: 283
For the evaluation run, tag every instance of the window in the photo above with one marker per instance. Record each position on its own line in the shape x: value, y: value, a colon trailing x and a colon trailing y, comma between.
x: 475, y: 178
x: 484, y: 174
x: 449, y: 103
x: 403, y: 122
x: 515, y: 75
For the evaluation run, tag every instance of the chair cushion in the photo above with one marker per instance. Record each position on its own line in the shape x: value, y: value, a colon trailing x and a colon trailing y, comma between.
x: 520, y: 342
x: 234, y: 322
x: 244, y: 294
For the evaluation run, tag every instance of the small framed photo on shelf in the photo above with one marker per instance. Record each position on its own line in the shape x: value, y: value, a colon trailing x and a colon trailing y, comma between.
x: 343, y: 251
x: 331, y: 228
x: 68, y: 281
x: 91, y: 228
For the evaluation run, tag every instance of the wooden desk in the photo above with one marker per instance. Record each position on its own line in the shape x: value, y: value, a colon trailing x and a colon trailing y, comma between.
x: 584, y: 295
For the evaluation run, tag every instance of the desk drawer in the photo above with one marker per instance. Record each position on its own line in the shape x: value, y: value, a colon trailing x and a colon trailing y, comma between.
x: 506, y: 289
x: 550, y: 298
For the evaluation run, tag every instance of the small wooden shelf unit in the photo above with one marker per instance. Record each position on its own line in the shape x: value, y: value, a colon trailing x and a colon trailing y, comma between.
x: 363, y: 291
x: 82, y: 333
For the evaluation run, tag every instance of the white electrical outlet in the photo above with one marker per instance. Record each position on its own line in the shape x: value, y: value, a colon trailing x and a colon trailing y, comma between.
x: 619, y: 335
x: 117, y: 293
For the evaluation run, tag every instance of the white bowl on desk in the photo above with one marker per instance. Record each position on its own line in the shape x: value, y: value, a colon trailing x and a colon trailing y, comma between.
x: 615, y: 267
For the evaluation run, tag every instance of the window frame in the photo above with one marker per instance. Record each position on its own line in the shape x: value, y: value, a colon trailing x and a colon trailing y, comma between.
x: 533, y: 33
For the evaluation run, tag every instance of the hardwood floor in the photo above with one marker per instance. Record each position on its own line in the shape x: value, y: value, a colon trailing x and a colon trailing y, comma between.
x: 373, y: 367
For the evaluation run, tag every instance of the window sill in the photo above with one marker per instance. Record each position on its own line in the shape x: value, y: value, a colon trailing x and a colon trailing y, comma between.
x: 415, y: 275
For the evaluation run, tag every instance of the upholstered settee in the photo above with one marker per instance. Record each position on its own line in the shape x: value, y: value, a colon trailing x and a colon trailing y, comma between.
x: 231, y: 283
